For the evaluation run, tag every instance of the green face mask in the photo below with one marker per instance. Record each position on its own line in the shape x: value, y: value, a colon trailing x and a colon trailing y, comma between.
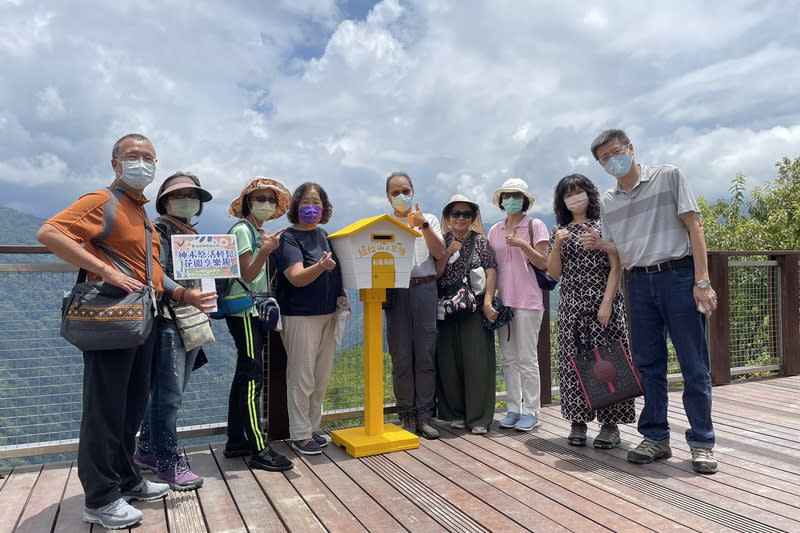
x: 512, y: 205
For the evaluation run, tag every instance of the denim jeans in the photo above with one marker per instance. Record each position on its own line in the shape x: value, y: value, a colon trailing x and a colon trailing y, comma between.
x: 662, y: 303
x: 172, y: 368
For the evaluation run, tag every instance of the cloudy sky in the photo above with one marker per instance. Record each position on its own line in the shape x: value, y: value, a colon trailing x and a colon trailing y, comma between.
x: 461, y: 94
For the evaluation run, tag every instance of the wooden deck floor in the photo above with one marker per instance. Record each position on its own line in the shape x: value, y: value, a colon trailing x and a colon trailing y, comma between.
x: 506, y: 481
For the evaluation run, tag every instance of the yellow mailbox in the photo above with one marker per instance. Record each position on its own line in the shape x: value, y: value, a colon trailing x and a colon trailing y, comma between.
x: 375, y: 254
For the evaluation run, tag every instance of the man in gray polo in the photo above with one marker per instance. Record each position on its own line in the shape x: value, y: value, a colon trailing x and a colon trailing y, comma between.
x: 652, y: 219
x: 411, y: 315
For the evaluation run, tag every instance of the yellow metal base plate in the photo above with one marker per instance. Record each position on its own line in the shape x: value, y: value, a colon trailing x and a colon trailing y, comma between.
x: 359, y: 444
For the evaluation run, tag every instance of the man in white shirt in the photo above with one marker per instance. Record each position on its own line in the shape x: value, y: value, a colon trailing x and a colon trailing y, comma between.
x: 411, y: 315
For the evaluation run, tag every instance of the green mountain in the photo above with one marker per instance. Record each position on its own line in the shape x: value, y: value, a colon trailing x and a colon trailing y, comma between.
x: 17, y: 227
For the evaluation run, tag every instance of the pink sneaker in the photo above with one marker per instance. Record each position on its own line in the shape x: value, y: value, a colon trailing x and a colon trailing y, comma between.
x: 180, y: 476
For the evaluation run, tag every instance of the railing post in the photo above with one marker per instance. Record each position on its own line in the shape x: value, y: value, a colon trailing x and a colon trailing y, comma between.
x: 274, y: 393
x: 719, y: 345
x: 543, y: 348
x: 788, y: 302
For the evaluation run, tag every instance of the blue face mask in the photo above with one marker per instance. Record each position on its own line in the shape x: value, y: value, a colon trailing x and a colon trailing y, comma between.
x: 137, y: 174
x: 402, y: 202
x: 512, y: 205
x: 619, y: 165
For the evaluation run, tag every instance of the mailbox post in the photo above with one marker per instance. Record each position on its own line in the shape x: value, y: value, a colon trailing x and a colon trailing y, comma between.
x: 375, y: 254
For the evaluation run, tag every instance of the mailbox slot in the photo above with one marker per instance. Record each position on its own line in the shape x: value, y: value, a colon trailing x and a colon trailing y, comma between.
x: 382, y: 237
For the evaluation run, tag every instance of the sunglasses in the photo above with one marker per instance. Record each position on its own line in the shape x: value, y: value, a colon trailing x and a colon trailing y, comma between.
x: 462, y: 214
x: 262, y: 199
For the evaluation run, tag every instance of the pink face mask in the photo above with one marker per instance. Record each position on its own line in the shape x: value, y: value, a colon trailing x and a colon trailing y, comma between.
x: 577, y: 202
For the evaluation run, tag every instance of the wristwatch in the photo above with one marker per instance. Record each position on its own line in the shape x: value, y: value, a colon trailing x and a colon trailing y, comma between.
x: 425, y: 225
x: 703, y: 284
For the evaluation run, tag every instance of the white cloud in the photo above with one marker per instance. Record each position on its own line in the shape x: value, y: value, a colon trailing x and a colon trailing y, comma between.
x: 460, y: 94
x: 22, y: 34
x: 42, y: 169
x: 50, y: 106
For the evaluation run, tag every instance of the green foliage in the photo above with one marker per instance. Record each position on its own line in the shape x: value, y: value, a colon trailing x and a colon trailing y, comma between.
x: 770, y: 220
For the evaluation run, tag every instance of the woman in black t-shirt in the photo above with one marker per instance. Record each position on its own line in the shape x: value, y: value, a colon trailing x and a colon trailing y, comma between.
x: 309, y: 290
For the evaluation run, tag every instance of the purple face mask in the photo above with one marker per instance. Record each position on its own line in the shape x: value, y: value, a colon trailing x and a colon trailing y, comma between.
x: 310, y: 214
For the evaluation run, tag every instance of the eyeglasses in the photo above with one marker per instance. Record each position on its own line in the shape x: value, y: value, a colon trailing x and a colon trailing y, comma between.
x: 398, y: 192
x: 136, y: 156
x: 182, y: 195
x: 462, y: 214
x: 262, y: 199
x: 619, y: 150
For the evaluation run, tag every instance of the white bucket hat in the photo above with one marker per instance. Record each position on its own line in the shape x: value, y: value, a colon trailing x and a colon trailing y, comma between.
x: 513, y: 185
x: 477, y: 223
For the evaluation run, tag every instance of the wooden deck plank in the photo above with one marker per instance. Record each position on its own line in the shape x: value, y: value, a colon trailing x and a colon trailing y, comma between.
x: 477, y: 479
x: 15, y: 496
x: 154, y: 516
x: 217, y: 504
x: 321, y: 499
x: 70, y: 515
x: 573, y: 485
x: 559, y: 494
x: 184, y: 514
x: 256, y: 512
x: 728, y: 502
x: 42, y: 508
x: 295, y: 514
x: 453, y: 505
x: 597, y: 475
x: 362, y: 505
x: 394, y: 501
x: 506, y: 481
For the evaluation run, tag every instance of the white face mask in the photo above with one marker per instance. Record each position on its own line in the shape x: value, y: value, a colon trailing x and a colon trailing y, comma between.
x: 262, y: 210
x: 402, y: 202
x: 577, y: 202
x: 137, y: 174
x: 184, y: 208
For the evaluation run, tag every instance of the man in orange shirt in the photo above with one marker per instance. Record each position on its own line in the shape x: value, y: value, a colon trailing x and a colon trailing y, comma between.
x: 116, y: 383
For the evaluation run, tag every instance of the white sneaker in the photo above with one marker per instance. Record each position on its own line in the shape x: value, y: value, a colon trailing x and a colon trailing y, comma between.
x: 146, y: 491
x: 118, y: 514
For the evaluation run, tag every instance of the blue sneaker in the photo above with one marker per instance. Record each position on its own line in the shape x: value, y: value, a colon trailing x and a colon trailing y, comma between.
x: 510, y: 420
x: 309, y: 448
x: 526, y: 422
x: 319, y: 439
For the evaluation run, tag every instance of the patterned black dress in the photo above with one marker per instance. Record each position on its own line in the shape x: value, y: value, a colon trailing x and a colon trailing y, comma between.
x: 584, y: 276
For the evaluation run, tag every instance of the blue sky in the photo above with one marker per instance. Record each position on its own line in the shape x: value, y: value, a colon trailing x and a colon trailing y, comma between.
x: 461, y: 94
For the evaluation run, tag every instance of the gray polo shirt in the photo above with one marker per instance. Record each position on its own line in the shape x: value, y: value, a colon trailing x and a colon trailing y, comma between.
x: 646, y: 225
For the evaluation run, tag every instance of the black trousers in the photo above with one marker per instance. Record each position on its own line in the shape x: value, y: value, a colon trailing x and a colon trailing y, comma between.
x: 116, y: 386
x: 244, y: 401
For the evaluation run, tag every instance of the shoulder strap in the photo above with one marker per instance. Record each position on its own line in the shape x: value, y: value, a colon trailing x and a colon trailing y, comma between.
x: 252, y: 233
x: 109, y: 218
x: 468, y: 265
x: 530, y: 232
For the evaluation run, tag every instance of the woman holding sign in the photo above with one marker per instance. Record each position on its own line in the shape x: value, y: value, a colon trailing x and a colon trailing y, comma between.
x: 262, y: 199
x: 179, y: 199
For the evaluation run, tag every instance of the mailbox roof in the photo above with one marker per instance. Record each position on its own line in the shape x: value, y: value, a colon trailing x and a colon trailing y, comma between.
x: 366, y: 222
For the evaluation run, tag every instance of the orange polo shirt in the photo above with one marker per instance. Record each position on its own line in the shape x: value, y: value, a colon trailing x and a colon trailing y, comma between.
x: 83, y: 221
